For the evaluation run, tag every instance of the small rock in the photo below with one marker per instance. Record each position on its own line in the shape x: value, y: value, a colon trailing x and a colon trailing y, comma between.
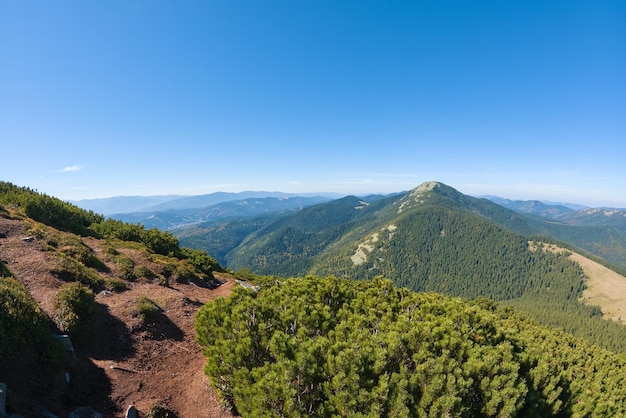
x: 84, y: 412
x: 65, y: 341
x: 44, y: 412
x: 131, y: 412
x: 3, y: 400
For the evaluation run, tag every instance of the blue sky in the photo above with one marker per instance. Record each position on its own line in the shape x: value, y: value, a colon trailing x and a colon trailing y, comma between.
x: 521, y: 99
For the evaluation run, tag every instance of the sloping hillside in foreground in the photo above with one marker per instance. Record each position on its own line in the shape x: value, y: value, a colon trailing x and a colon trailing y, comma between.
x: 128, y: 353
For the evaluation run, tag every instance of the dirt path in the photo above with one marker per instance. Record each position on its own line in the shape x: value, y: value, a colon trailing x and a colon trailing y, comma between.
x: 159, y: 363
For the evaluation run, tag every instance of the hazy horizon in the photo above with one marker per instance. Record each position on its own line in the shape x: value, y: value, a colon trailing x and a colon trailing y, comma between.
x: 337, y: 195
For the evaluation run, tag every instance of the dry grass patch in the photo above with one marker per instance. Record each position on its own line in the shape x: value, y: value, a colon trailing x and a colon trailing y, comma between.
x: 605, y: 288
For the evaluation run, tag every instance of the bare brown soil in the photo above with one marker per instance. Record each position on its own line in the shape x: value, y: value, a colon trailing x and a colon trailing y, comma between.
x: 129, y: 362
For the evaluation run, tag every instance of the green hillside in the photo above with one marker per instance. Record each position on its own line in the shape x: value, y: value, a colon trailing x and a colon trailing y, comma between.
x: 432, y: 238
x: 605, y: 241
x: 596, y: 231
x: 61, y: 227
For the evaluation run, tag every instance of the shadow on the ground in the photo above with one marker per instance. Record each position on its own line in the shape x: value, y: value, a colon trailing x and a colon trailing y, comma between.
x: 163, y: 328
x: 111, y: 337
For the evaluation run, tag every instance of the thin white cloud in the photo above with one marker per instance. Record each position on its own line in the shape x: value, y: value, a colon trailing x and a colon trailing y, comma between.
x: 70, y: 169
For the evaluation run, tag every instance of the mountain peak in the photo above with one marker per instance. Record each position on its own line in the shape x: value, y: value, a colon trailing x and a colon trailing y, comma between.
x: 428, y: 186
x: 435, y: 187
x: 424, y: 191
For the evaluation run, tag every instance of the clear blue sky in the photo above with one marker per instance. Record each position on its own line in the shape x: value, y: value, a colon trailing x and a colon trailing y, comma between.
x: 521, y: 99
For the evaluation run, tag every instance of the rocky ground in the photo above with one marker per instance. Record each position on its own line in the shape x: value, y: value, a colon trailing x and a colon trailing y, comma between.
x: 129, y: 362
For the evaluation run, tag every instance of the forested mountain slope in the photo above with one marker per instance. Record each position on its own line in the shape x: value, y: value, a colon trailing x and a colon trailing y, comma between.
x: 597, y: 231
x: 432, y: 238
x: 170, y: 218
x: 365, y: 240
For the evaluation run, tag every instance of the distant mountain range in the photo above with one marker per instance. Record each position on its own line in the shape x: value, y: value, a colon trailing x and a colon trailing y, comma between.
x: 534, y: 206
x: 221, y: 222
x: 432, y: 238
x: 122, y: 204
x: 169, y: 218
x: 331, y: 233
x: 133, y: 204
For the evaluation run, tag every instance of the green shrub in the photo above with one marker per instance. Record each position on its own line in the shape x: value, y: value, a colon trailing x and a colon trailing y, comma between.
x: 115, y: 285
x: 69, y: 269
x: 4, y: 270
x: 331, y: 347
x: 145, y: 273
x: 127, y: 267
x: 110, y: 250
x: 74, y: 311
x: 147, y: 309
x: 159, y: 242
x: 22, y: 322
x: 73, y: 246
x: 113, y: 228
x: 201, y: 261
x: 161, y: 411
x: 186, y: 272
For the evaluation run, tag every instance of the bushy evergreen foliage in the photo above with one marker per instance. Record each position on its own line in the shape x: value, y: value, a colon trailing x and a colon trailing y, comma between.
x: 159, y: 242
x: 72, y: 245
x: 74, y: 311
x: 4, y: 270
x: 330, y: 347
x: 48, y: 210
x: 69, y: 269
x: 201, y: 261
x: 147, y: 309
x: 23, y: 324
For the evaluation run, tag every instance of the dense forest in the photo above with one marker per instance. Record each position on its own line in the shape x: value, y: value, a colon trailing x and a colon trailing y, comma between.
x: 331, y: 347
